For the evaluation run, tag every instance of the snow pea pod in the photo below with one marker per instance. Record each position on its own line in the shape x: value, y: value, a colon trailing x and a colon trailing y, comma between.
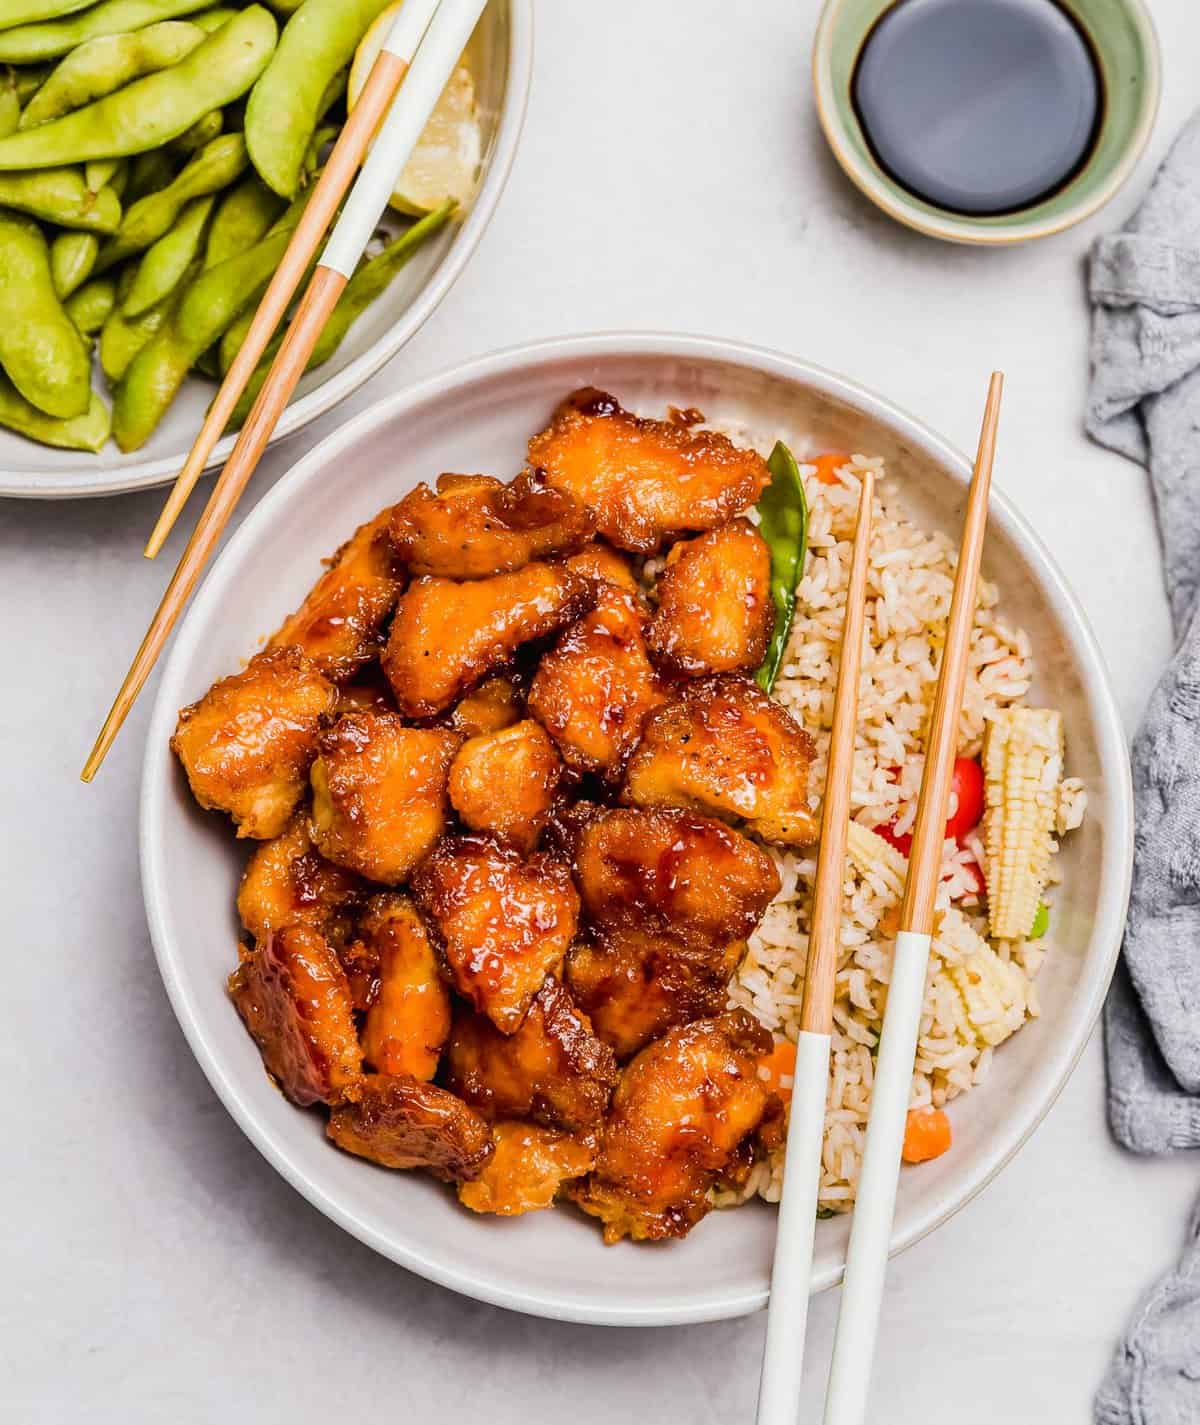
x: 157, y: 108
x: 284, y: 108
x: 244, y: 215
x: 783, y: 524
x: 370, y: 281
x: 86, y: 432
x: 31, y: 12
x: 40, y: 350
x: 91, y: 306
x: 144, y: 222
x: 60, y: 196
x: 163, y: 264
x: 207, y: 306
x: 27, y: 44
x: 105, y: 64
x: 72, y: 257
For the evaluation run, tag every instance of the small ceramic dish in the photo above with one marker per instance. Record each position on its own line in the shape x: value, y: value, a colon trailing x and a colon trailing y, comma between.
x: 1125, y: 48
x: 500, y: 56
x: 479, y: 417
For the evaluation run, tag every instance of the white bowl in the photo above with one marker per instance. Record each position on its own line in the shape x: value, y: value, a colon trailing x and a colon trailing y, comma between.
x: 478, y: 417
x: 501, y: 58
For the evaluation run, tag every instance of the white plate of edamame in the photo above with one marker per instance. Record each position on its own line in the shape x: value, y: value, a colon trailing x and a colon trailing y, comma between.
x: 138, y: 53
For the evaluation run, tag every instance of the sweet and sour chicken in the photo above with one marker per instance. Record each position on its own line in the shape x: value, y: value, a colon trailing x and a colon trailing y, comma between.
x: 513, y: 789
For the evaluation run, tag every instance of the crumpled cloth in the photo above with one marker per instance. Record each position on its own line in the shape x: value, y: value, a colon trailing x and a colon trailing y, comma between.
x: 1144, y: 401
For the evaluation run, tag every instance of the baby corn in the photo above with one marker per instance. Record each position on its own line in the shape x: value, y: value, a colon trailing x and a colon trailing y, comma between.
x: 1022, y: 767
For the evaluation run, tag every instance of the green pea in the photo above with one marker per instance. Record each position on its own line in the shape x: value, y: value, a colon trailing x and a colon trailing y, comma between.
x: 284, y: 108
x: 157, y: 108
x: 91, y: 306
x: 26, y: 44
x: 207, y: 306
x: 40, y: 349
x: 163, y: 264
x: 60, y: 196
x: 72, y: 257
x: 144, y: 222
x: 105, y: 64
x: 369, y: 282
x: 88, y: 431
x: 244, y: 215
x: 29, y: 12
x: 202, y: 132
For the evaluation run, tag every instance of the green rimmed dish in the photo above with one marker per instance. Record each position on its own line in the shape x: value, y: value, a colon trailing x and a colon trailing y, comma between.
x: 1125, y: 47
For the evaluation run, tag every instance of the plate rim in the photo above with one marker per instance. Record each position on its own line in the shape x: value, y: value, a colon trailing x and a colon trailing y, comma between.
x: 1114, y: 875
x: 97, y: 482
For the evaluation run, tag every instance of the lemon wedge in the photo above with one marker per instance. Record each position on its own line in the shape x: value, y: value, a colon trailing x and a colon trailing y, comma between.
x: 446, y: 159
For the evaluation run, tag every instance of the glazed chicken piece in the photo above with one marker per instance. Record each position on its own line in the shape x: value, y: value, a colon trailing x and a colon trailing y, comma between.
x: 714, y: 610
x: 553, y: 1069
x: 247, y: 745
x: 446, y: 637
x: 527, y: 1170
x: 501, y: 922
x: 408, y: 1019
x: 379, y: 793
x: 636, y: 985
x: 592, y: 692
x: 292, y: 994
x: 674, y: 873
x: 602, y: 563
x: 288, y: 882
x: 339, y: 624
x: 681, y: 1122
x: 504, y: 783
x: 722, y: 746
x: 494, y: 704
x: 401, y: 1122
x: 475, y: 526
x: 646, y: 480
x: 369, y: 693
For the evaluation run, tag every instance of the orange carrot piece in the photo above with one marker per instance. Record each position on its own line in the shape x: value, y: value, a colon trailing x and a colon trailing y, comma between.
x: 926, y: 1135
x: 779, y: 1064
x: 828, y: 466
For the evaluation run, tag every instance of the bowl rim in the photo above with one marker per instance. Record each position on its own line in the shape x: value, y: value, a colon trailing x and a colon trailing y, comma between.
x: 1114, y: 874
x: 143, y: 475
x: 963, y: 228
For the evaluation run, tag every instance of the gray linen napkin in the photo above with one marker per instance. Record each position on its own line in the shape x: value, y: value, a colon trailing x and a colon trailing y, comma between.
x: 1144, y: 401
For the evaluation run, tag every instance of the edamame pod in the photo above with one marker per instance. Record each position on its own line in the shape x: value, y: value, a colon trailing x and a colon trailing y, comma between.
x: 30, y: 12
x: 202, y: 132
x: 163, y: 264
x: 99, y: 172
x: 29, y: 79
x: 105, y: 64
x: 26, y: 44
x: 244, y: 215
x: 149, y: 172
x: 10, y: 103
x: 370, y: 281
x: 144, y: 222
x: 86, y: 432
x: 72, y: 257
x: 157, y: 108
x: 60, y: 196
x: 40, y: 350
x: 121, y: 338
x: 284, y: 109
x: 92, y: 305
x: 210, y: 20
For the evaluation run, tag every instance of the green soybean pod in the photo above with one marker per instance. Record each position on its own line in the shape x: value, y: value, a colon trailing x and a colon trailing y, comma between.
x: 105, y: 64
x: 202, y: 132
x: 91, y: 306
x: 144, y: 222
x: 121, y: 337
x: 29, y: 44
x: 243, y: 216
x: 29, y: 79
x: 40, y: 349
x: 210, y: 20
x: 157, y: 108
x: 31, y: 12
x: 207, y: 306
x: 285, y: 106
x: 100, y: 172
x: 86, y: 432
x: 72, y: 257
x: 10, y: 103
x: 164, y: 263
x: 60, y: 196
x: 148, y: 173
x: 285, y: 7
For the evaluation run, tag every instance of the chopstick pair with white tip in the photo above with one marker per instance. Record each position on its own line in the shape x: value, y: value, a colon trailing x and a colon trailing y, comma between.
x: 783, y: 1353
x: 871, y: 1226
x: 422, y: 49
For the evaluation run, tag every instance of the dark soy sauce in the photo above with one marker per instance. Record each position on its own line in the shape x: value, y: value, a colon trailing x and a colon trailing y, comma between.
x: 978, y: 106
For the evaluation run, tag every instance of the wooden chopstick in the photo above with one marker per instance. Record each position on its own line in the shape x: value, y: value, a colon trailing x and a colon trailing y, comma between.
x: 871, y: 1227
x: 787, y: 1315
x: 440, y: 46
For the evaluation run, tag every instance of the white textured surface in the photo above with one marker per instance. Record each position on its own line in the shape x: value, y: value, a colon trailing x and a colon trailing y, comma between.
x: 154, y: 1267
